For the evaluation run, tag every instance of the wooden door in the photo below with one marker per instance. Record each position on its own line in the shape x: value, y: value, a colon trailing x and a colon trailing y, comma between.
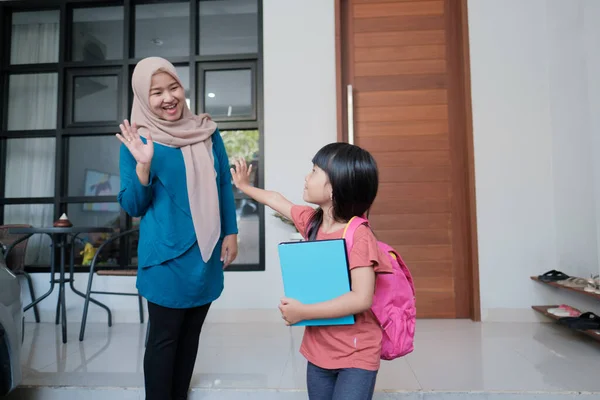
x: 407, y: 62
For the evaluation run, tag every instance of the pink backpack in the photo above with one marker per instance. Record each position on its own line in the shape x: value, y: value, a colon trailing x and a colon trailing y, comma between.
x: 393, y: 302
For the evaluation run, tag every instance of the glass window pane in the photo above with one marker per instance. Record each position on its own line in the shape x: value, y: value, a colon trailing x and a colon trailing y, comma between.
x: 96, y: 98
x: 228, y: 94
x: 37, y: 215
x: 32, y: 101
x: 94, y: 168
x: 245, y: 144
x: 248, y: 228
x: 228, y: 27
x: 184, y: 75
x: 34, y: 37
x: 97, y: 34
x: 242, y: 144
x: 30, y: 167
x: 96, y: 215
x: 162, y: 30
x: 133, y: 244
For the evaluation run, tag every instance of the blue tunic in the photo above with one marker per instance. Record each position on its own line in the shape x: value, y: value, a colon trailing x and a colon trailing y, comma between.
x: 171, y: 272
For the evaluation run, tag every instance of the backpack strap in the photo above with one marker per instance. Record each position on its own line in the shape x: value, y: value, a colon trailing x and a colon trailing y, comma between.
x: 401, y: 263
x: 350, y: 229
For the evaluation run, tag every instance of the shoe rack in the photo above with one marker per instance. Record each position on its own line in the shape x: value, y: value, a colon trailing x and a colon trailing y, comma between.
x: 594, y: 334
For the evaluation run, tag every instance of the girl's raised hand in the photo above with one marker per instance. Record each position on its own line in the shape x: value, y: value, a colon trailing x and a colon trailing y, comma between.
x: 241, y: 173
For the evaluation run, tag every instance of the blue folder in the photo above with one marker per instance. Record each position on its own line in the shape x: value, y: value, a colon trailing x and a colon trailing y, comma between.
x: 314, y: 272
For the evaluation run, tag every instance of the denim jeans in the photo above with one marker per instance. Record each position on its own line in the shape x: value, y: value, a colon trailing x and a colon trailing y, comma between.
x: 340, y: 384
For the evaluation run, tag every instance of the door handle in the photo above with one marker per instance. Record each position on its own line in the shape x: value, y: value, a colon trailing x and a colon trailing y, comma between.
x: 350, y: 92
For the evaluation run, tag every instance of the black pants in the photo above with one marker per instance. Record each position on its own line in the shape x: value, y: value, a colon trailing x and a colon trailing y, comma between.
x: 171, y: 350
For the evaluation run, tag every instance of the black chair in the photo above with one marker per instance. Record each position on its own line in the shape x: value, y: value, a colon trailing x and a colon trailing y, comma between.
x: 14, y: 248
x: 112, y: 270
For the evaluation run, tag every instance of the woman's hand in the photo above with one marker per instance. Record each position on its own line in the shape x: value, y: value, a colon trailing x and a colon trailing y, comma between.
x: 130, y: 137
x: 229, y: 250
x: 241, y: 173
x: 292, y: 311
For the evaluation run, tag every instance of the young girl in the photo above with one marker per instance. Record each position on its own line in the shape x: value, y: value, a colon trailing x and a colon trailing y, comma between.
x: 342, y: 360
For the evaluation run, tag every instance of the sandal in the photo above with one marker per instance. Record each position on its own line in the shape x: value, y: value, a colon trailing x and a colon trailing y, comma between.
x: 591, y: 285
x: 595, y: 283
x: 553, y: 276
x: 564, y: 311
x: 586, y: 321
x: 573, y: 282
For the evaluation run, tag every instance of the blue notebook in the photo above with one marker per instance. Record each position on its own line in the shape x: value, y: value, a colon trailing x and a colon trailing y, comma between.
x: 314, y: 272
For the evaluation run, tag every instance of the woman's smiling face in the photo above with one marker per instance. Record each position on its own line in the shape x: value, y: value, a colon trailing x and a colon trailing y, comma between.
x: 167, y: 97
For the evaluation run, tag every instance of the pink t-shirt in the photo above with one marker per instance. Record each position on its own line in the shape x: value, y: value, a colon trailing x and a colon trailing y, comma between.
x: 346, y: 346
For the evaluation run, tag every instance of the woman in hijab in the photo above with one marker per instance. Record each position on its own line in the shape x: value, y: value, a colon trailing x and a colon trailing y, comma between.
x: 175, y: 176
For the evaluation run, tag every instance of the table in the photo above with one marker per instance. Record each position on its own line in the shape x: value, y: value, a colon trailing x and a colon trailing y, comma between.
x: 59, y: 238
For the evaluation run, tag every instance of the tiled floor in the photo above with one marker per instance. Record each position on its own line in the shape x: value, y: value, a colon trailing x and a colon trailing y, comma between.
x: 450, y: 356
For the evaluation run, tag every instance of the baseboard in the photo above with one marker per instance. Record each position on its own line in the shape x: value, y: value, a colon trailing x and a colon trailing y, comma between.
x: 228, y: 315
x: 216, y: 315
x: 95, y: 314
x: 511, y: 315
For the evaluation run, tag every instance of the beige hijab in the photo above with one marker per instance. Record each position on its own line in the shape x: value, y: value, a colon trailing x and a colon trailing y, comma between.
x: 192, y: 134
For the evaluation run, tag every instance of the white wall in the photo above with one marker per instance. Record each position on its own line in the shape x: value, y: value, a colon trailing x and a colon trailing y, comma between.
x: 592, y: 46
x: 572, y: 137
x: 536, y: 177
x: 300, y: 117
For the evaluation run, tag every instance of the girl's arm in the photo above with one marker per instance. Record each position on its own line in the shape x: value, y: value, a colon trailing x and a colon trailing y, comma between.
x: 359, y: 299
x: 274, y: 200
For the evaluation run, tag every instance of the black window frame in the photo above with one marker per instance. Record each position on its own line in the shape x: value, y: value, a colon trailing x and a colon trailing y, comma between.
x: 67, y: 70
x: 72, y: 74
x: 203, y: 68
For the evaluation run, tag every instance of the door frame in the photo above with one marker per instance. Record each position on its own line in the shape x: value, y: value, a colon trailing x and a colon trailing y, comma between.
x: 460, y: 122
